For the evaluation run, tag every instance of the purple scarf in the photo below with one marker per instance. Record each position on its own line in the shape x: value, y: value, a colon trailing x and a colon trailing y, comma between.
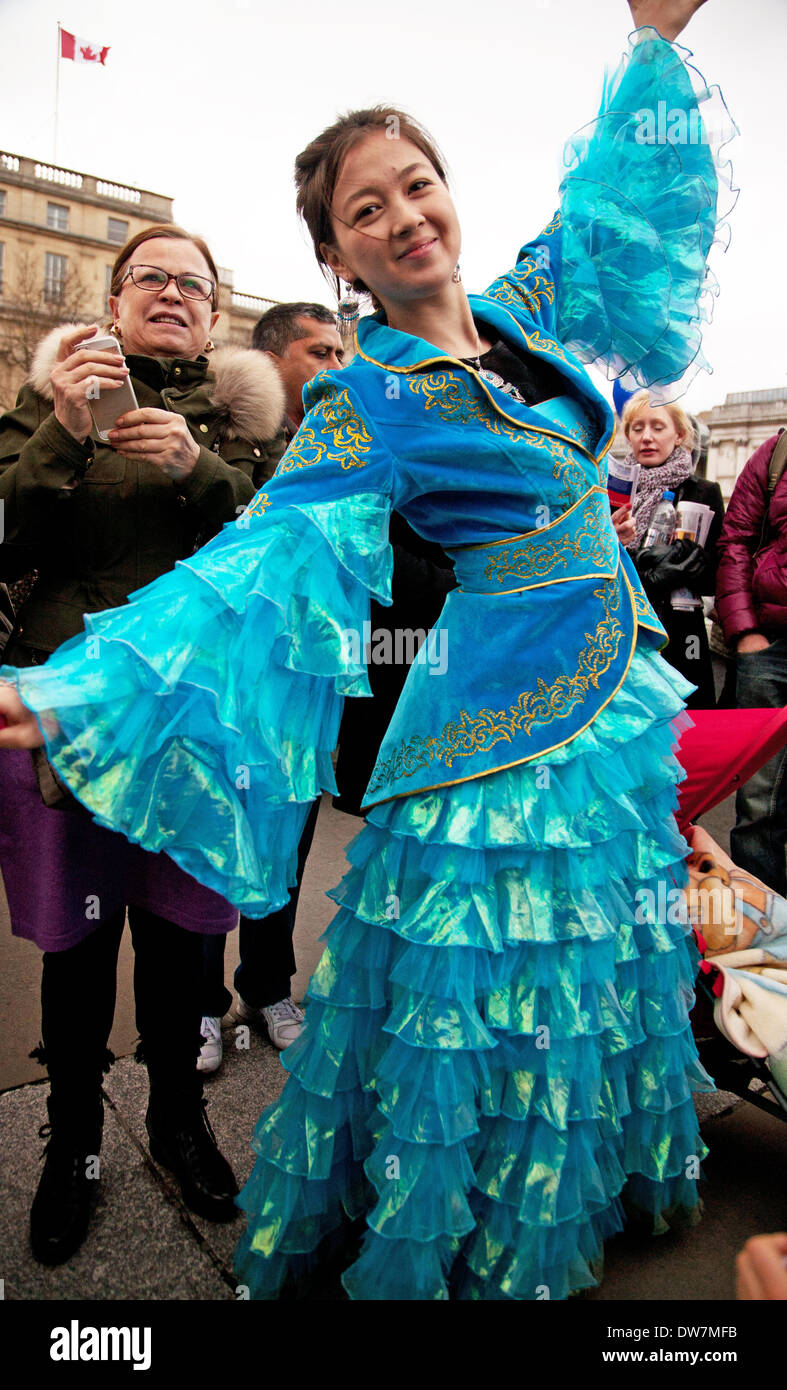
x: 655, y: 481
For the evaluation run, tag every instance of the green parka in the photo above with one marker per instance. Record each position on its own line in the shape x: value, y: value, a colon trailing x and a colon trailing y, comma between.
x: 96, y: 524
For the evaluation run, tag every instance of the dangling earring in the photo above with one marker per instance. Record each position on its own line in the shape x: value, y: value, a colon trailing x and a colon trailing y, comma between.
x: 457, y: 275
x: 116, y: 330
x: 209, y: 346
x: 348, y: 312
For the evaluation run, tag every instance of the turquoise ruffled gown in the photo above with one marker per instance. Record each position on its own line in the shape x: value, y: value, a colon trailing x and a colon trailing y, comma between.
x: 497, y: 1051
x: 497, y: 1057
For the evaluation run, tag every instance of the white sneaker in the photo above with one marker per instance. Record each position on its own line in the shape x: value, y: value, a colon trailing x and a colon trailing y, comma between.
x: 283, y: 1021
x: 212, y: 1050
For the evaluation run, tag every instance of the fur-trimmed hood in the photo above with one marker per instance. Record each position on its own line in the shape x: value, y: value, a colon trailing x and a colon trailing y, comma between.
x: 241, y: 383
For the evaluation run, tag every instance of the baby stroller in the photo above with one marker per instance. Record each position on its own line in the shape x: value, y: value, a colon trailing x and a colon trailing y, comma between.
x: 734, y: 1071
x: 740, y: 925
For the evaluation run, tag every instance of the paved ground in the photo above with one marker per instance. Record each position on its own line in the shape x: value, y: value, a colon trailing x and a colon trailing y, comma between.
x: 143, y: 1244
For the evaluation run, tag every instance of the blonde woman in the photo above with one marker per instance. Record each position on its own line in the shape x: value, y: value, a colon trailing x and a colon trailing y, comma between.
x: 661, y: 440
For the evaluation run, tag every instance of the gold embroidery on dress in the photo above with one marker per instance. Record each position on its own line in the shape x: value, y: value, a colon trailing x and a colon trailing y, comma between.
x: 478, y: 733
x: 641, y: 605
x: 511, y: 288
x: 538, y: 342
x: 258, y: 505
x: 333, y: 415
x: 643, y: 609
x: 538, y: 558
x: 583, y: 434
x: 557, y: 221
x: 455, y: 401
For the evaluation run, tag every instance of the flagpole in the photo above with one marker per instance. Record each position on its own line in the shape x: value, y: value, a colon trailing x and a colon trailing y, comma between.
x: 57, y: 96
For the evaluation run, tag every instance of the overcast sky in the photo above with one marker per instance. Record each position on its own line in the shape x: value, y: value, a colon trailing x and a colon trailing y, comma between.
x: 209, y: 103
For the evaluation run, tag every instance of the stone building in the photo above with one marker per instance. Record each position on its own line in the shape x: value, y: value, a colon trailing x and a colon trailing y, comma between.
x: 60, y: 231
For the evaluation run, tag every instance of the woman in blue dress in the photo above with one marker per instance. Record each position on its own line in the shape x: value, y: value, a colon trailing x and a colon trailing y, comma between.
x: 497, y: 1054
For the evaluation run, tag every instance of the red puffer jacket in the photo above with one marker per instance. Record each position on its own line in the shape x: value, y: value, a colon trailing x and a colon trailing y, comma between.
x: 751, y: 593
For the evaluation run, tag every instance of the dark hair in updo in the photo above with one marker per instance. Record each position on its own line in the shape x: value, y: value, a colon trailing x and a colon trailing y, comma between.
x: 318, y: 167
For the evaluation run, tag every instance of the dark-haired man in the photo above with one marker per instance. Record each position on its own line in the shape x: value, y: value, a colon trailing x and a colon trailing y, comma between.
x: 303, y: 340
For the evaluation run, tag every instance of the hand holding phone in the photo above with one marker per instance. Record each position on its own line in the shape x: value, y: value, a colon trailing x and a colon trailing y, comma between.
x: 107, y: 401
x: 85, y: 369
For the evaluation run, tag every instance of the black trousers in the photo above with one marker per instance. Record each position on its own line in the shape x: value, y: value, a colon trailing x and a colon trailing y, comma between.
x: 267, y: 957
x: 78, y: 991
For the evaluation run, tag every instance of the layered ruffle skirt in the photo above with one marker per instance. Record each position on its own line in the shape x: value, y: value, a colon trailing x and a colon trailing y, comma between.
x: 497, y: 1061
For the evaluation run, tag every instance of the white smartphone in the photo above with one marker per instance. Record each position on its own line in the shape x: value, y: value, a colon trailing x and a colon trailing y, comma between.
x: 108, y: 407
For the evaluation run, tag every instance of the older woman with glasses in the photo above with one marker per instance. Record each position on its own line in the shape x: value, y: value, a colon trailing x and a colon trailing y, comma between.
x: 96, y: 519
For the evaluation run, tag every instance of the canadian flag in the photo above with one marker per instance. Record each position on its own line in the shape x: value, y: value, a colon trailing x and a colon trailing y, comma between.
x: 81, y: 50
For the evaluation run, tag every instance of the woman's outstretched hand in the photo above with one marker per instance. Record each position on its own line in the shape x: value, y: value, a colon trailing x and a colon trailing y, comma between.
x: 18, y: 725
x: 670, y: 17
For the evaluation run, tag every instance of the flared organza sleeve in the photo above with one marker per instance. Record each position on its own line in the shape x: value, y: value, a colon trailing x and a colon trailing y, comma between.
x: 200, y: 719
x: 620, y: 276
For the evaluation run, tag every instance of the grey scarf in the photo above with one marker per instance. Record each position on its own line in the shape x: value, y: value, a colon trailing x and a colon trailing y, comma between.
x: 653, y: 482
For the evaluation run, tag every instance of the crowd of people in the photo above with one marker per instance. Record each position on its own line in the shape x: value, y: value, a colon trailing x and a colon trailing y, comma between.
x: 182, y: 646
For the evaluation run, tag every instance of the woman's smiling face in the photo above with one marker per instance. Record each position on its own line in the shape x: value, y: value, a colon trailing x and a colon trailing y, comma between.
x: 395, y: 225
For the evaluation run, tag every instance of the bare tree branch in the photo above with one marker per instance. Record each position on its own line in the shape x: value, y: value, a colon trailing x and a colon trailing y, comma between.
x: 26, y: 316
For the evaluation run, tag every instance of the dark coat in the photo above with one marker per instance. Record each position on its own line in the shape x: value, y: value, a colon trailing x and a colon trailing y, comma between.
x: 422, y: 578
x: 97, y: 525
x: 751, y: 592
x: 663, y: 569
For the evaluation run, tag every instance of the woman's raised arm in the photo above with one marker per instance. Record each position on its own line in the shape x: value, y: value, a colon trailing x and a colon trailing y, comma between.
x: 620, y: 276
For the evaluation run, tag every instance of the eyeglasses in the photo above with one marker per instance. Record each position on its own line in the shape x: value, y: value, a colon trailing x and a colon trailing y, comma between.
x: 152, y: 278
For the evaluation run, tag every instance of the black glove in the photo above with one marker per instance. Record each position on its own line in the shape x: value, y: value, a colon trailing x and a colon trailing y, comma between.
x: 663, y: 568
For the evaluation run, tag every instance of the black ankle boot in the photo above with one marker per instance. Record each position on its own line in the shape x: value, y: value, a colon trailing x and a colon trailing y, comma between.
x: 184, y: 1142
x: 68, y: 1187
